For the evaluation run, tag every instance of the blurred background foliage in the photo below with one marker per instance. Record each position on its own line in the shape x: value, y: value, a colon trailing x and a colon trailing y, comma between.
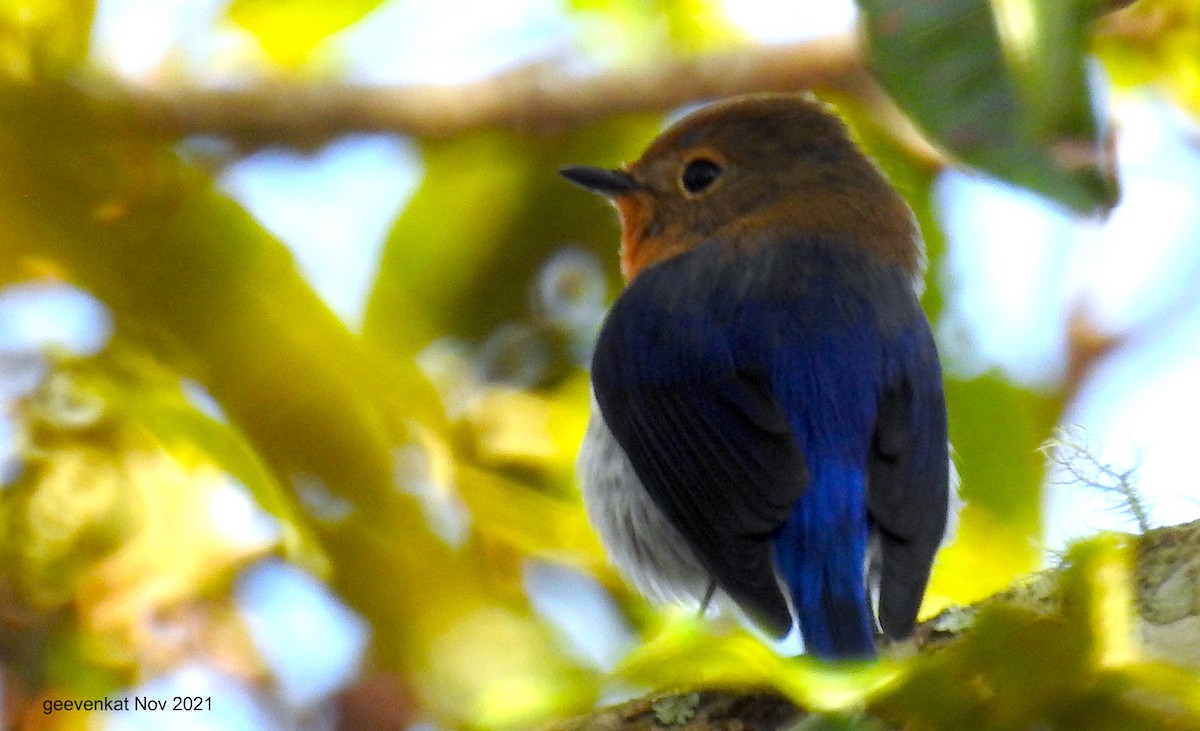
x: 218, y: 483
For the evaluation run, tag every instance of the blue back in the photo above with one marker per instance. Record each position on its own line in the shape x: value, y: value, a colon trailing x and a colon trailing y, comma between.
x: 780, y: 403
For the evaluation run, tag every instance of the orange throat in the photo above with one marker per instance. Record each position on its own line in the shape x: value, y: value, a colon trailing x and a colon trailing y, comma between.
x: 634, y: 212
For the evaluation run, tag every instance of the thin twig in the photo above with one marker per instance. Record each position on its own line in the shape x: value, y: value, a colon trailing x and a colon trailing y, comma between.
x: 1070, y: 451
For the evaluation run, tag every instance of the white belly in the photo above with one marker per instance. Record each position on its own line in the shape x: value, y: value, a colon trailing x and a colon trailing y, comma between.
x: 647, y: 550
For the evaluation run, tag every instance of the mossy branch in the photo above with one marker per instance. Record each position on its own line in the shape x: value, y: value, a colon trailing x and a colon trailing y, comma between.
x: 1167, y: 576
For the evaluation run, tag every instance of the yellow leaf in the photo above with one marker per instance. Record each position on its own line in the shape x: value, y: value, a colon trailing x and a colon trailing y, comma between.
x: 289, y: 30
x: 1098, y: 597
x: 690, y: 652
x: 43, y: 37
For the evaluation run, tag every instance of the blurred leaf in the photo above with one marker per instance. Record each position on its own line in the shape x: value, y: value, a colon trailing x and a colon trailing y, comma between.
x: 446, y: 238
x: 1098, y: 598
x: 1019, y: 111
x: 190, y: 274
x: 1155, y: 42
x: 451, y: 610
x: 522, y: 441
x: 152, y: 400
x: 511, y: 426
x: 503, y: 670
x: 1147, y: 697
x: 119, y: 524
x: 490, y: 210
x: 1002, y: 675
x: 517, y: 474
x: 1047, y: 43
x: 690, y: 652
x: 532, y: 521
x: 996, y: 429
x: 1019, y: 668
x: 697, y: 25
x: 187, y: 271
x: 289, y: 30
x: 70, y: 508
x: 632, y: 28
x: 473, y: 660
x: 839, y: 722
x: 40, y: 38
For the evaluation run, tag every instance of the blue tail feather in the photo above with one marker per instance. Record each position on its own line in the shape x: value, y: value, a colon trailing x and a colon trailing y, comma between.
x: 820, y: 552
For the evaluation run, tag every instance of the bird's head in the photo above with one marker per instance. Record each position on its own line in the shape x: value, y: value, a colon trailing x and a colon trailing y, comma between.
x: 749, y: 170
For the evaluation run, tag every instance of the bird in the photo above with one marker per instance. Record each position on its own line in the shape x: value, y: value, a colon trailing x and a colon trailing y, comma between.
x: 767, y: 428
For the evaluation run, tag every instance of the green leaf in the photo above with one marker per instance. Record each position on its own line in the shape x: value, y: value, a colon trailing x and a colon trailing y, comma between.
x: 996, y: 429
x: 1018, y: 110
x: 490, y: 211
x: 1020, y: 667
x: 1098, y: 598
x: 153, y: 401
x: 183, y: 268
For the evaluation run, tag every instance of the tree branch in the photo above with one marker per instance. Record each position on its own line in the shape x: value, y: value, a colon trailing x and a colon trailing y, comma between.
x: 1167, y: 575
x: 538, y: 98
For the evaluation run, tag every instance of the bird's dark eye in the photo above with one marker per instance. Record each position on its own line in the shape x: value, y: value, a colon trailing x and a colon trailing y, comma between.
x: 699, y: 174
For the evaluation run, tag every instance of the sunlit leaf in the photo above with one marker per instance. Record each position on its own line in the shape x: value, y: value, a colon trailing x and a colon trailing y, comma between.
x: 1098, y: 598
x: 996, y: 429
x: 533, y: 521
x: 1155, y: 42
x: 697, y: 25
x: 1074, y: 666
x: 688, y: 652
x: 493, y: 667
x: 629, y: 28
x: 1019, y: 111
x: 289, y: 30
x: 154, y: 401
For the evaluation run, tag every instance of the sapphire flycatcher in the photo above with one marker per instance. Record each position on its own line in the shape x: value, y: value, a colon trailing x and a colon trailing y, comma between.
x: 768, y: 424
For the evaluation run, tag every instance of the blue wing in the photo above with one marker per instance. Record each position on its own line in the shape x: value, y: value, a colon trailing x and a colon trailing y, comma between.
x: 908, y: 478
x: 745, y: 389
x: 705, y: 435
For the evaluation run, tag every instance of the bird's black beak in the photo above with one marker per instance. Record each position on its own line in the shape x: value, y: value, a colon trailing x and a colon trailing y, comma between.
x: 608, y: 183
